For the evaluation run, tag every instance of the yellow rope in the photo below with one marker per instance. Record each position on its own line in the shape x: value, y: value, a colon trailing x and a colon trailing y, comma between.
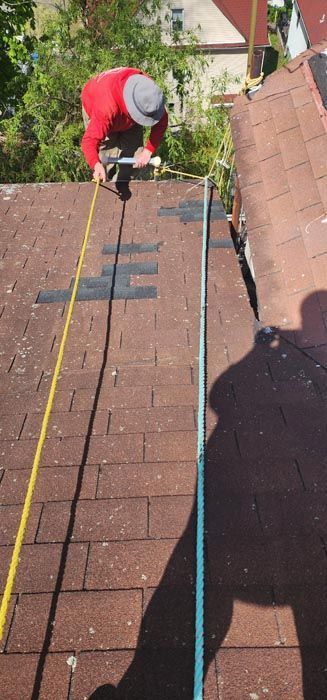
x: 226, y: 144
x: 250, y: 83
x: 29, y: 494
x: 166, y: 169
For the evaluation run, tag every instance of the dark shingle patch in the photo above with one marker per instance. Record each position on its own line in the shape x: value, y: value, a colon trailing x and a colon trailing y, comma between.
x: 101, y: 293
x: 221, y: 243
x: 144, y: 268
x: 114, y: 283
x: 105, y: 281
x: 197, y: 215
x: 130, y: 248
x: 198, y: 204
x: 192, y: 210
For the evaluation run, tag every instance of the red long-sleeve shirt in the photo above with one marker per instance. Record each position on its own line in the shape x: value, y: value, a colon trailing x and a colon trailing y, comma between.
x: 102, y: 99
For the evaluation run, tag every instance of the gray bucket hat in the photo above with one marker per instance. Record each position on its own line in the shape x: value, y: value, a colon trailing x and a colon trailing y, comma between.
x: 144, y: 100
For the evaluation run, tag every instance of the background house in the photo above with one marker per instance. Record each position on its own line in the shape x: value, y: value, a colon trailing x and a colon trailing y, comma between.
x: 308, y: 25
x: 223, y: 30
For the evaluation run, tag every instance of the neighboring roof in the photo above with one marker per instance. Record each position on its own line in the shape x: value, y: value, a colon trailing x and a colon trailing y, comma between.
x: 280, y: 139
x: 314, y: 14
x: 239, y: 14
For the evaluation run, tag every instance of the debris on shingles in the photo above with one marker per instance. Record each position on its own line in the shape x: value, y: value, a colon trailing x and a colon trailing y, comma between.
x: 121, y: 447
x: 280, y: 138
x: 109, y: 548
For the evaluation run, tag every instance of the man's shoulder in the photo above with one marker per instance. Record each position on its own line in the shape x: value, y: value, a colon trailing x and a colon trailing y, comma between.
x: 115, y: 74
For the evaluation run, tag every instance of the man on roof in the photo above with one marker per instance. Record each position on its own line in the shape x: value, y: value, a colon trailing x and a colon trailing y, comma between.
x: 117, y: 104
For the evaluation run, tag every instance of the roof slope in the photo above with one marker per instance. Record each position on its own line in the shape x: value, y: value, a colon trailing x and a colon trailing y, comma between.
x: 109, y: 552
x: 314, y: 15
x: 239, y: 13
x: 280, y: 140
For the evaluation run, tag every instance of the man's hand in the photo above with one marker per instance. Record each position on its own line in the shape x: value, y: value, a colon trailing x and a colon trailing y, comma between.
x: 99, y: 172
x: 143, y: 158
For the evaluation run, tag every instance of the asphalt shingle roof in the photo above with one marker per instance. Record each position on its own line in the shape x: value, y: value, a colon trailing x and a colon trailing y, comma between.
x: 315, y: 19
x: 280, y: 138
x: 104, y: 595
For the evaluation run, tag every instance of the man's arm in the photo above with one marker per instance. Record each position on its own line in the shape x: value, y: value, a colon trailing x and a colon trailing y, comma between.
x: 95, y: 132
x: 153, y: 142
x: 157, y: 132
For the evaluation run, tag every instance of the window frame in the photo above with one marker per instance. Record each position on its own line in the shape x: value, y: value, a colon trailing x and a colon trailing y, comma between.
x: 178, y: 19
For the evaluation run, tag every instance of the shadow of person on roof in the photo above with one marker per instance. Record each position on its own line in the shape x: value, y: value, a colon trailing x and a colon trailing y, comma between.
x: 266, y: 539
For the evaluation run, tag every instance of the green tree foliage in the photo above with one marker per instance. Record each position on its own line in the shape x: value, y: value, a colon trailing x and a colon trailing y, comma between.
x: 15, y: 46
x: 41, y: 142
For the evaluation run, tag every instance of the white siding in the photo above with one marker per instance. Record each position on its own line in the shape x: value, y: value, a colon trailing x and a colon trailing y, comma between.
x: 297, y: 36
x: 232, y: 61
x: 215, y: 27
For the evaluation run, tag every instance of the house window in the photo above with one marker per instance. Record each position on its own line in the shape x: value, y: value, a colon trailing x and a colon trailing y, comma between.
x: 177, y: 20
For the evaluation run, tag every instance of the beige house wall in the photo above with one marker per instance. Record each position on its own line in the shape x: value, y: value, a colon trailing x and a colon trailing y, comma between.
x: 232, y: 61
x: 215, y: 27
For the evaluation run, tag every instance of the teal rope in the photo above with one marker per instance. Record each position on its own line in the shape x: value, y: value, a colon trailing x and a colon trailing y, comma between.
x: 199, y: 597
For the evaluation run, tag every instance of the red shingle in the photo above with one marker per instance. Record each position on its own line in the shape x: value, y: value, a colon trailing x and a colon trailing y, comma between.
x: 263, y: 239
x: 322, y: 187
x: 248, y: 165
x: 163, y: 447
x: 159, y: 479
x: 82, y: 620
x: 278, y: 670
x: 310, y: 122
x: 255, y: 204
x: 283, y: 112
x: 282, y: 212
x: 295, y: 265
x: 157, y: 419
x: 259, y: 112
x: 38, y: 567
x: 266, y: 140
x: 170, y: 515
x: 316, y: 148
x: 274, y: 177
x: 301, y: 95
x: 319, y: 271
x: 313, y: 225
x: 18, y: 676
x: 10, y: 517
x: 302, y: 186
x: 138, y: 564
x: 308, y: 306
x: 292, y: 148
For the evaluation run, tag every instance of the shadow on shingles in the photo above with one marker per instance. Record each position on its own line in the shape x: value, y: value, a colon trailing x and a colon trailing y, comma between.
x: 266, y: 528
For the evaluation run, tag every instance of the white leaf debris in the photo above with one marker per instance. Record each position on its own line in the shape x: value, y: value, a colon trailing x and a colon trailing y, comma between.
x: 72, y: 661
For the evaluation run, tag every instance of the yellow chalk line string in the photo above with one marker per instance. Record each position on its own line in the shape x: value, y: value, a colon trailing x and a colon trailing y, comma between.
x: 30, y: 490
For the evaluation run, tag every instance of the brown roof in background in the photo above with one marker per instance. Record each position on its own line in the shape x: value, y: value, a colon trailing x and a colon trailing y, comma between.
x: 280, y: 138
x: 239, y: 14
x: 314, y: 14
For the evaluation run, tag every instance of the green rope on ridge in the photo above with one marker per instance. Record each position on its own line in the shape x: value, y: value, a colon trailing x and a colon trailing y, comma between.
x: 199, y: 594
